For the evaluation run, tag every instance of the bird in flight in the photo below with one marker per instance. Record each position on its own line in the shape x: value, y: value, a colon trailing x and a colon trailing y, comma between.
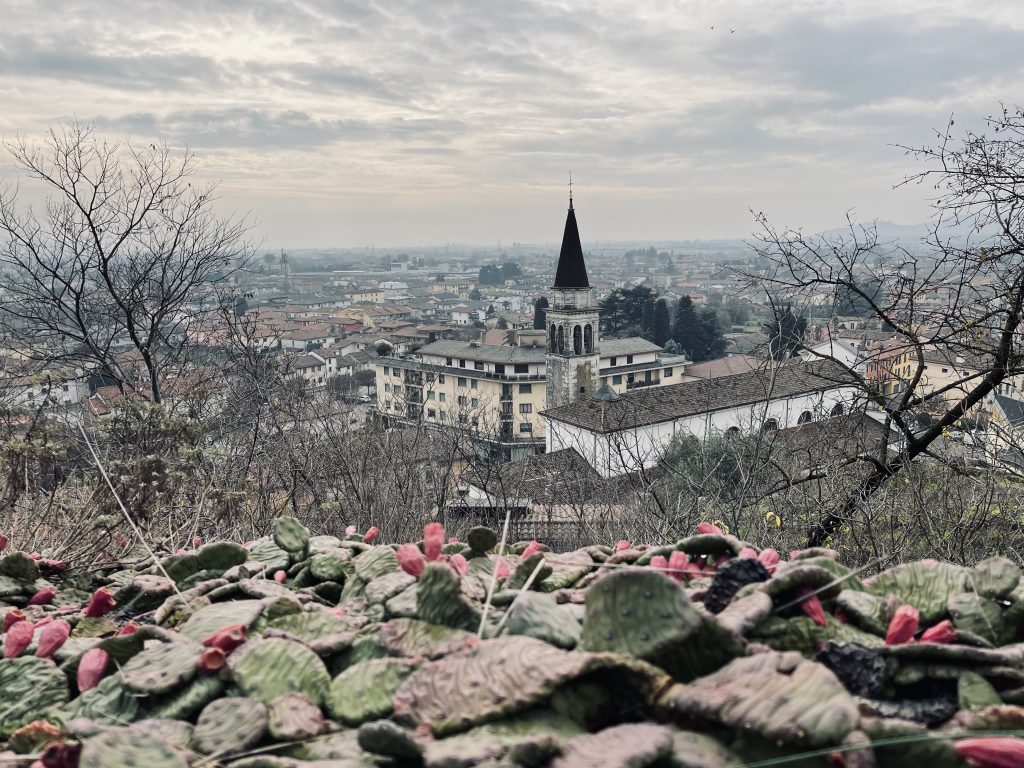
x: 712, y: 26
x: 732, y: 31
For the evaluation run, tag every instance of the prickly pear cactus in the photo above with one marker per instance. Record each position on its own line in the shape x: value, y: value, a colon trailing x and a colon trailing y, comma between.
x: 267, y: 668
x: 295, y: 717
x: 109, y: 703
x: 29, y: 688
x: 129, y: 748
x: 481, y: 540
x: 221, y: 555
x: 925, y: 585
x: 161, y: 668
x: 229, y: 725
x: 414, y: 638
x: 538, y: 615
x: 210, y: 618
x: 365, y: 691
x: 621, y: 746
x: 291, y: 536
x: 439, y: 599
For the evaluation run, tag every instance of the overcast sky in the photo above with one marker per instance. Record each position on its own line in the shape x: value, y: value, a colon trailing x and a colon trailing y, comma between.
x: 391, y: 122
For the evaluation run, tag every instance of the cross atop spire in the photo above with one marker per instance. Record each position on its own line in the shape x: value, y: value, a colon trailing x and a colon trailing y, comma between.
x: 571, y: 271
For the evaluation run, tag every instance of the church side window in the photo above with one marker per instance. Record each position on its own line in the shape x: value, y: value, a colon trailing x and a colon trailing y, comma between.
x: 577, y: 340
x: 588, y: 338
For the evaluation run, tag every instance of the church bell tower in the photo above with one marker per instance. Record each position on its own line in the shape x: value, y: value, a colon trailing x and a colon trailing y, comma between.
x: 574, y: 333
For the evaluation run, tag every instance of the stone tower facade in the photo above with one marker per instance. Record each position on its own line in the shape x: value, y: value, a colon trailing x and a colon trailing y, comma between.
x: 574, y: 333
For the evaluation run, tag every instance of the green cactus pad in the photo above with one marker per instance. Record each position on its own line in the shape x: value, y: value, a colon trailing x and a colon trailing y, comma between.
x: 211, y: 618
x: 180, y: 567
x: 129, y: 748
x: 802, y: 634
x: 365, y: 691
x: 267, y: 668
x: 108, y: 703
x: 384, y: 737
x: 266, y: 551
x: 977, y: 615
x: 415, y: 638
x: 780, y: 696
x: 295, y: 717
x: 975, y: 692
x: 867, y: 611
x: 639, y: 612
x: 439, y: 599
x: 538, y: 615
x: 29, y: 688
x: 926, y: 586
x: 745, y: 613
x: 481, y: 540
x: 174, y: 732
x: 696, y: 750
x: 310, y: 625
x: 184, y: 703
x: 503, y: 676
x: 528, y: 739
x: 19, y: 566
x: 632, y: 745
x: 389, y: 585
x: 221, y: 555
x: 291, y: 535
x: 161, y: 668
x: 709, y: 544
x: 375, y: 562
x: 995, y: 577
x: 525, y: 569
x: 332, y: 565
x: 228, y: 725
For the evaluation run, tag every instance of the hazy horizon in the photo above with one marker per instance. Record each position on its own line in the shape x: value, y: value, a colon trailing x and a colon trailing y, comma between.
x: 346, y: 124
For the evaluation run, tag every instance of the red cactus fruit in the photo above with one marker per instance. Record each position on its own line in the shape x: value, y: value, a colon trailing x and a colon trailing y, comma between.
x: 100, y: 604
x: 60, y: 754
x: 453, y: 539
x: 992, y: 751
x: 18, y: 638
x: 748, y: 553
x: 350, y: 530
x: 943, y: 632
x: 371, y: 534
x: 433, y: 541
x: 13, y: 617
x: 197, y: 541
x: 622, y: 545
x: 903, y: 625
x: 227, y: 638
x: 212, y: 661
x: 91, y: 668
x: 769, y: 559
x: 531, y: 549
x: 122, y: 542
x: 52, y: 638
x: 706, y: 527
x: 43, y: 597
x: 811, y: 605
x: 458, y: 564
x: 410, y: 560
x: 659, y: 563
x: 280, y: 576
x: 128, y: 629
x: 501, y: 570
x: 3, y: 542
x: 678, y: 563
x: 35, y: 555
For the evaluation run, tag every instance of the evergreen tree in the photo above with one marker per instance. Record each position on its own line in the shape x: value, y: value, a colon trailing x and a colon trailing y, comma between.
x: 647, y: 321
x: 624, y: 309
x: 785, y: 333
x: 713, y: 339
x: 540, y: 314
x: 662, y: 331
x: 686, y: 330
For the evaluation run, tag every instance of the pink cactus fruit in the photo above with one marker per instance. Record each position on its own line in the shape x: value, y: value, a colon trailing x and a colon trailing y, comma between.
x: 501, y: 570
x: 991, y: 751
x: 197, y: 541
x: 903, y: 625
x: 91, y: 667
x: 531, y: 549
x: 3, y: 542
x: 227, y: 638
x: 43, y: 597
x: 128, y: 629
x: 17, y: 638
x: 280, y: 576
x: 769, y: 559
x: 410, y: 560
x: 706, y: 527
x: 350, y: 530
x: 122, y: 542
x: 622, y: 545
x: 13, y: 617
x: 943, y: 632
x: 433, y: 541
x: 212, y: 661
x: 100, y: 604
x: 678, y: 563
x: 747, y: 553
x: 659, y: 563
x: 52, y: 638
x: 812, y: 606
x: 371, y: 534
x: 459, y: 564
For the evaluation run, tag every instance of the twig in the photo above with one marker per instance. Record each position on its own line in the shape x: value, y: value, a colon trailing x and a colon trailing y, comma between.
x: 494, y: 575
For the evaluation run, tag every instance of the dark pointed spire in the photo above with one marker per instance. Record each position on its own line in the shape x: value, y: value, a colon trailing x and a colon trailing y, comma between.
x: 572, y: 271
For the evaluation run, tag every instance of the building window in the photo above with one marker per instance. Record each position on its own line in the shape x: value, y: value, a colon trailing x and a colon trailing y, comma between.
x: 615, y: 361
x: 462, y: 363
x: 521, y: 368
x: 668, y: 373
x: 430, y: 395
x: 805, y: 418
x: 617, y: 379
x: 461, y: 399
x: 945, y: 370
x: 385, y: 370
x: 588, y: 338
x: 577, y: 340
x: 838, y: 409
x: 472, y: 383
x: 440, y: 378
x: 525, y: 389
x: 397, y: 389
x: 561, y: 340
x: 440, y: 397
x: 430, y: 413
x: 473, y: 402
x: 477, y: 365
x: 551, y: 339
x: 397, y: 373
x: 499, y: 368
x: 525, y: 408
x: 526, y: 427
x: 770, y: 425
x: 387, y: 387
x: 462, y: 381
x: 629, y: 359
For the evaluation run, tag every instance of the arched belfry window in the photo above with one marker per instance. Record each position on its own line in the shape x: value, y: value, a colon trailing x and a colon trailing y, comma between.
x: 577, y: 340
x: 805, y: 418
x: 588, y: 338
x: 838, y: 410
x: 561, y: 340
x: 551, y: 339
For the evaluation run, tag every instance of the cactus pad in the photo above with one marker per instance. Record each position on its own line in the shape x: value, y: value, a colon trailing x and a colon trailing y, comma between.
x: 632, y: 745
x: 538, y: 615
x: 129, y: 748
x: 925, y: 585
x: 229, y: 725
x: 267, y: 668
x: 291, y: 536
x: 210, y: 618
x: 161, y: 668
x: 29, y: 688
x: 439, y: 599
x: 294, y: 717
x: 365, y: 691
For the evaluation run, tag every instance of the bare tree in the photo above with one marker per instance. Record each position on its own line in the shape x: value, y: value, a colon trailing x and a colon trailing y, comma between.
x: 953, y: 305
x: 120, y: 263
